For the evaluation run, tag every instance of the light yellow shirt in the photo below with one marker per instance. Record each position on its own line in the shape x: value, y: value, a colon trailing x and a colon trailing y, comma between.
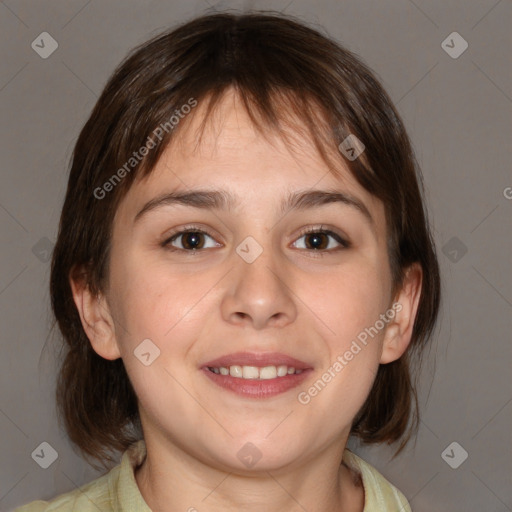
x: 118, y: 491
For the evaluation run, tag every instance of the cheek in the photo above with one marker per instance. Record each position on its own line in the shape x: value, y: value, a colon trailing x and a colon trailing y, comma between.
x: 157, y: 304
x: 349, y: 300
x: 168, y: 310
x: 349, y: 305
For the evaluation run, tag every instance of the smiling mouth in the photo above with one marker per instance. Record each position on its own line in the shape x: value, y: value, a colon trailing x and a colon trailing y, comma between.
x: 254, y: 382
x: 255, y: 372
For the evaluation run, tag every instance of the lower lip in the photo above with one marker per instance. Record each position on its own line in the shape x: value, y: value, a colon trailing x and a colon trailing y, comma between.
x: 257, y: 388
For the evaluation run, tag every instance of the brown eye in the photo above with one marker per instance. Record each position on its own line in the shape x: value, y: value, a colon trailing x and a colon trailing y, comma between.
x: 191, y: 240
x: 319, y: 240
x: 316, y: 241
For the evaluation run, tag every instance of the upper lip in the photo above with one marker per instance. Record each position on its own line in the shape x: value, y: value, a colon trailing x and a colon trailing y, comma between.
x: 257, y: 359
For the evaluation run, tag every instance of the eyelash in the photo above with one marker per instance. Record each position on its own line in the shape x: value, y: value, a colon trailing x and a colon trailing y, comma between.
x: 345, y: 244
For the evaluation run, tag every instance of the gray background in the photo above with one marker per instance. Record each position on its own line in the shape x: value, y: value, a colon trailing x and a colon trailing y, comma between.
x: 458, y: 112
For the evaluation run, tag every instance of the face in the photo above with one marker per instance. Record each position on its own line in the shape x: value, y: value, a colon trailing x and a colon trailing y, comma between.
x: 246, y: 278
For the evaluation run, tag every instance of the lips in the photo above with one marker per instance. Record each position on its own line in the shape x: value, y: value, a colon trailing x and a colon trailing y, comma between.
x: 260, y: 359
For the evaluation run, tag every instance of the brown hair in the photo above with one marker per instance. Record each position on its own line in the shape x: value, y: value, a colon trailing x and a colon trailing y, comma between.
x: 283, y: 71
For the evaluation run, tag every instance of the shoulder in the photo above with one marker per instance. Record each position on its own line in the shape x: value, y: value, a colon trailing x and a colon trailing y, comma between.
x: 116, y: 490
x: 380, y: 494
x: 93, y: 496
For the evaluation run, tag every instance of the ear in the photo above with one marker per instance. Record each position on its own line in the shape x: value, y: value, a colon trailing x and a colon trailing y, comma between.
x: 399, y: 330
x: 96, y: 318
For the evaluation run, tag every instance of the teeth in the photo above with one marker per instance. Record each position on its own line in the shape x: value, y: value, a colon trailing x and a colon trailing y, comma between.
x: 282, y: 371
x: 253, y: 372
x: 236, y: 371
x: 269, y: 372
x: 250, y: 372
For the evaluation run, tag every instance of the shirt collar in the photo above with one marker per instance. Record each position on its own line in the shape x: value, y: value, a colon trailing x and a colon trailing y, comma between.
x: 127, y: 495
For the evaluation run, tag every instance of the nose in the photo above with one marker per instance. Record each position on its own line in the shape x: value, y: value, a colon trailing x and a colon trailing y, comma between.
x: 259, y: 294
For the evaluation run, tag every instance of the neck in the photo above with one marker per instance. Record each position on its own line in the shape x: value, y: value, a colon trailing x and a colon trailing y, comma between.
x: 171, y: 479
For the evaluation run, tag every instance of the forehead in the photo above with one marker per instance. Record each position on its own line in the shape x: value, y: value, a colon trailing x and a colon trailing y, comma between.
x: 227, y: 150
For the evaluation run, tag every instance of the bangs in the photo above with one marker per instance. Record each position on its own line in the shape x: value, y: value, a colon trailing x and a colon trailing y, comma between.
x: 287, y: 83
x: 288, y: 115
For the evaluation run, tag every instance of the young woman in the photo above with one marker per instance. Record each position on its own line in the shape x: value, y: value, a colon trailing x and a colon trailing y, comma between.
x: 243, y: 274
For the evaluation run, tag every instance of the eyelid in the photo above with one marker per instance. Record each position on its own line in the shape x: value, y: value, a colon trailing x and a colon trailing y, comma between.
x: 342, y: 241
x: 190, y: 228
x: 341, y: 238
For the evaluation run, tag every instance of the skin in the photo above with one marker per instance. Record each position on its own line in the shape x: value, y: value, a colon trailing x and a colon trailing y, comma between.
x: 198, y: 307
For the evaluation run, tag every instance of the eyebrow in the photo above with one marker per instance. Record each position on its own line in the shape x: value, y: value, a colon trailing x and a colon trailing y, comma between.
x: 222, y: 200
